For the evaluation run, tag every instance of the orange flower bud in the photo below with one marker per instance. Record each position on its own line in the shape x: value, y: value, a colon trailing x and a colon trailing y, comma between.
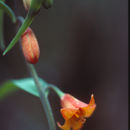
x: 27, y: 4
x: 30, y: 46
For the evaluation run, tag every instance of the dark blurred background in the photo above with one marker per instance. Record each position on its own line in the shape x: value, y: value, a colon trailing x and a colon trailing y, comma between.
x: 84, y: 50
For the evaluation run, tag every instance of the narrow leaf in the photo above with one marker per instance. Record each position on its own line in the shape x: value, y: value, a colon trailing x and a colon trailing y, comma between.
x: 22, y: 29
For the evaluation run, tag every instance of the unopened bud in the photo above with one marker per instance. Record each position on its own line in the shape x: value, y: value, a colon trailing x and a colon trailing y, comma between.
x: 47, y: 3
x: 30, y: 46
x: 27, y: 4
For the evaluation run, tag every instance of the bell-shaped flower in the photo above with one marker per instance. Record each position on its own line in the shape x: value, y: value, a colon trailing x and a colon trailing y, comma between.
x: 75, y: 112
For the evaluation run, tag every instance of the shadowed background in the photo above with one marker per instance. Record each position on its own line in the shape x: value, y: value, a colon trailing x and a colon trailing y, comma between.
x: 84, y: 50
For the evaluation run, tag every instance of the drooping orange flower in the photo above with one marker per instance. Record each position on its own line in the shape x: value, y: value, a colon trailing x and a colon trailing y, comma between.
x: 75, y: 111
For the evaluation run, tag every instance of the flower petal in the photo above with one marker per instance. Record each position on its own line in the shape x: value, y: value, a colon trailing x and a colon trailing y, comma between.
x: 66, y: 126
x: 68, y: 101
x: 74, y: 123
x: 77, y: 123
x: 88, y: 110
x: 67, y: 113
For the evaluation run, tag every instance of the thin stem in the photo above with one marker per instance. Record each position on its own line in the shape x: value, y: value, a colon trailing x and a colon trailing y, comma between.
x: 2, y: 46
x: 21, y: 19
x: 56, y: 90
x: 8, y: 10
x: 43, y: 98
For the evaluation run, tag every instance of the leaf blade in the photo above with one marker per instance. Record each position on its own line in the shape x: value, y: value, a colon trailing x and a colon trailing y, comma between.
x: 6, y: 89
x: 26, y: 84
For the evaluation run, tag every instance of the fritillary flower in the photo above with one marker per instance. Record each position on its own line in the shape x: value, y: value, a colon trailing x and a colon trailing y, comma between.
x: 75, y: 112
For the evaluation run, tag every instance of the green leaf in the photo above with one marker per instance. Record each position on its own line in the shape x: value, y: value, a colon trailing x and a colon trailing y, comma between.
x: 26, y: 23
x: 8, y: 10
x: 26, y: 84
x: 6, y: 89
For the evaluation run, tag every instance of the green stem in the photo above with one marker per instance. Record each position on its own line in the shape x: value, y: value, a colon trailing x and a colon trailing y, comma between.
x: 21, y: 19
x: 56, y: 90
x: 2, y: 46
x: 8, y: 10
x: 43, y: 98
